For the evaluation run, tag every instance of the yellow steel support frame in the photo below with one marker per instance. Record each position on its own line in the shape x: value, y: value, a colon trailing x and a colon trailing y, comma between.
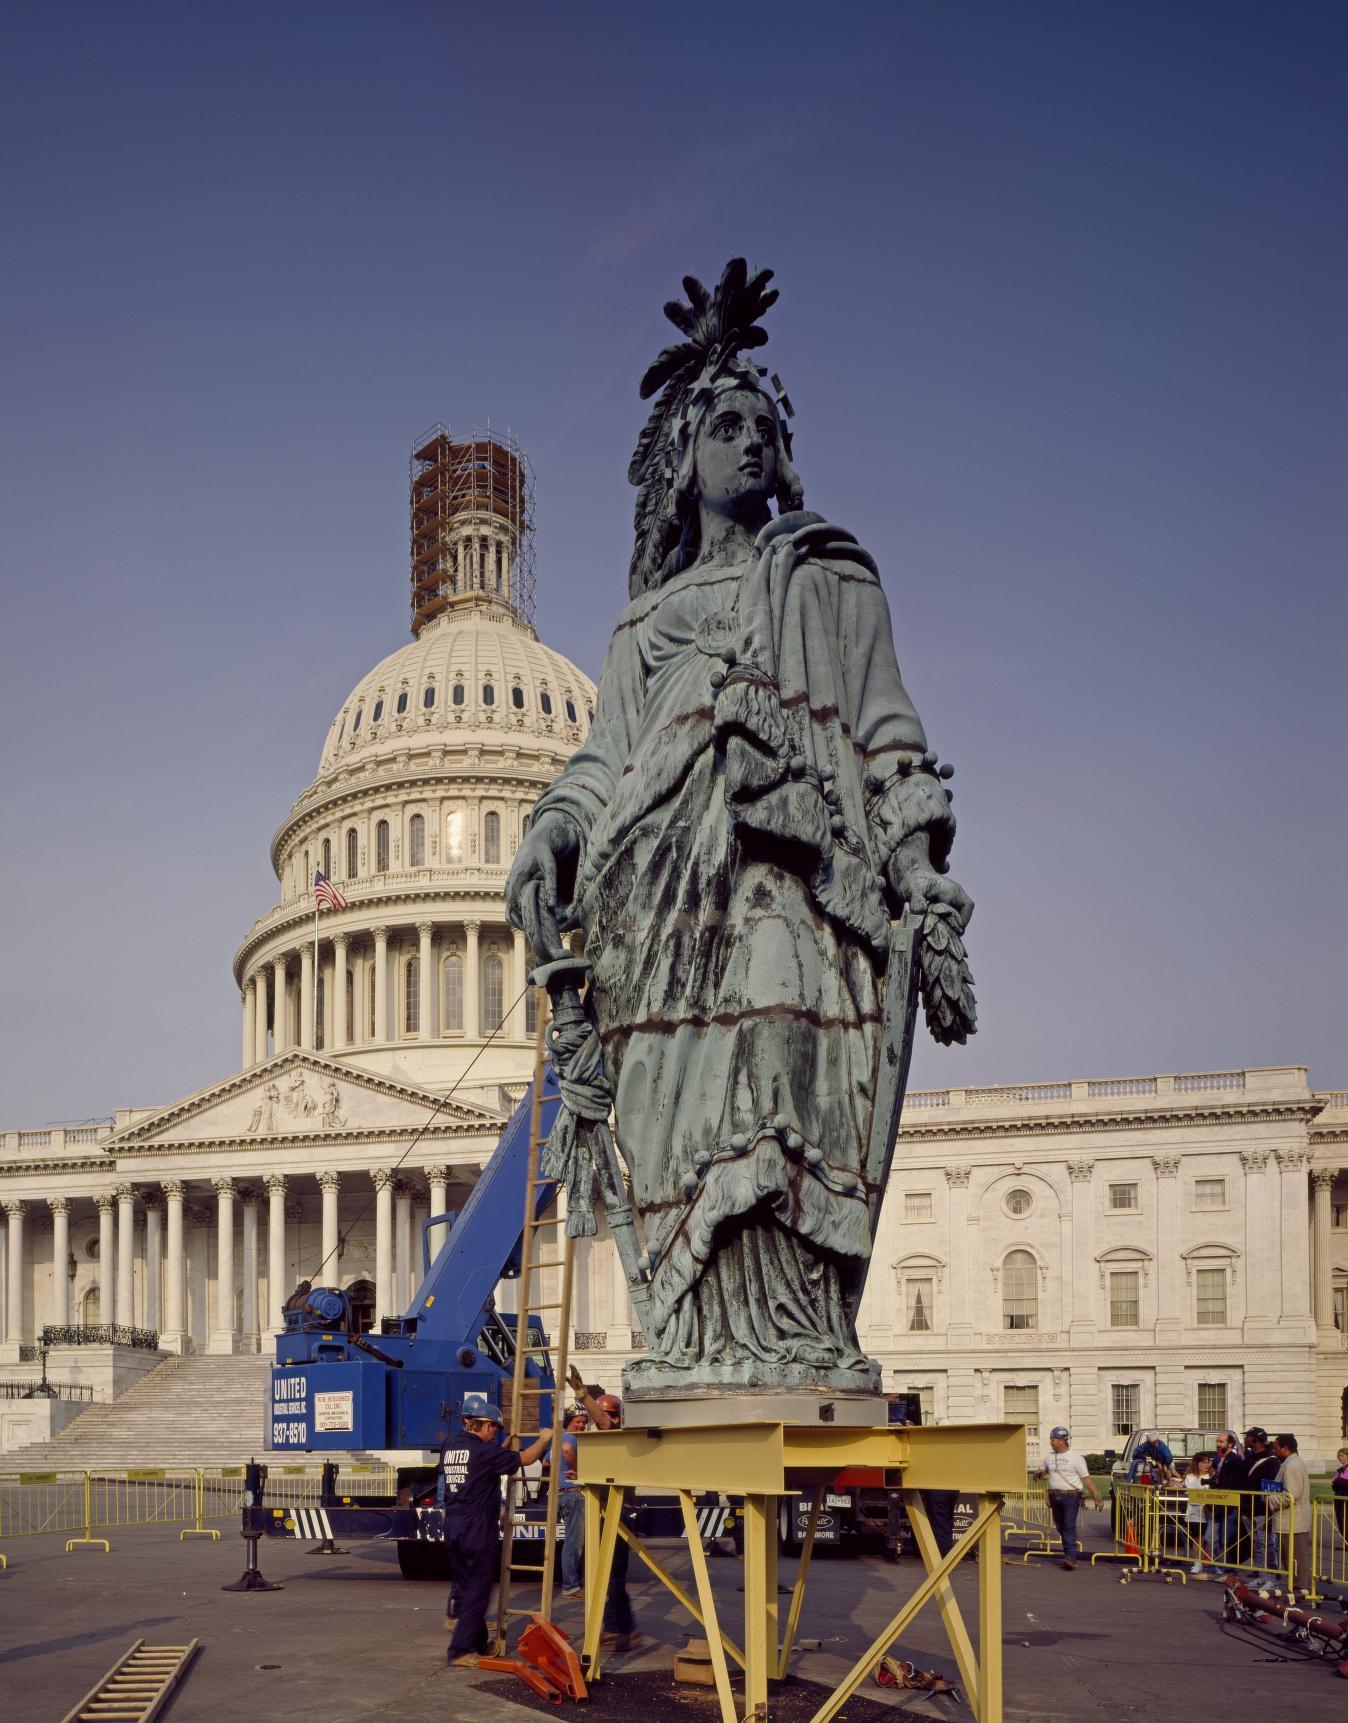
x: 747, y: 1458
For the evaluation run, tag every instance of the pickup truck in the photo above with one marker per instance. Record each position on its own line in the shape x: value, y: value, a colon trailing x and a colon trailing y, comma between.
x: 1183, y: 1443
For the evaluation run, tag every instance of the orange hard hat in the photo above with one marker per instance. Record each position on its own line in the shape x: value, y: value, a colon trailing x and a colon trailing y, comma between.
x: 611, y: 1404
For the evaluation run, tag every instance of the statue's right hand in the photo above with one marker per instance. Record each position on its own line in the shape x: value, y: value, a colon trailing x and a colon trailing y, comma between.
x: 531, y: 887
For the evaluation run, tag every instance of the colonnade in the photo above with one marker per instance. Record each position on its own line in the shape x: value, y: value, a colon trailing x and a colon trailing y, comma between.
x: 349, y: 964
x: 243, y: 1263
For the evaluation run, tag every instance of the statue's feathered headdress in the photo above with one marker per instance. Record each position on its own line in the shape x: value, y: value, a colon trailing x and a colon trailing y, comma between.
x: 717, y: 326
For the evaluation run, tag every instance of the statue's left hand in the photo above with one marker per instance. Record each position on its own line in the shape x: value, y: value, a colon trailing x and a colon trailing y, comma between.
x: 917, y: 882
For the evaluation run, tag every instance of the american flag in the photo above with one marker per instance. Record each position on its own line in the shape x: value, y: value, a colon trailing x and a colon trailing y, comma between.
x: 326, y: 894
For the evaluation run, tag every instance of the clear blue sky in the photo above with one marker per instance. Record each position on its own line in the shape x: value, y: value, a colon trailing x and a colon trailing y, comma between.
x: 1062, y: 317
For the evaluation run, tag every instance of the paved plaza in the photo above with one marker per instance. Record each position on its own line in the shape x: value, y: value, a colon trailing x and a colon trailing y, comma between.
x: 349, y: 1641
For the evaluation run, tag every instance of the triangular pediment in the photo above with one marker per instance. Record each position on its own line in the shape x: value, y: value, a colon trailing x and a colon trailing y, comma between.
x: 300, y: 1095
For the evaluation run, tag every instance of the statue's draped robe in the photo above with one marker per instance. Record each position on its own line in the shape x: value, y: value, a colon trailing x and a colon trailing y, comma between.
x: 738, y: 809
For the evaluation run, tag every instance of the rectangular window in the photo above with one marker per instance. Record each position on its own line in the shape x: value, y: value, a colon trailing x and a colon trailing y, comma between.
x: 1212, y: 1413
x: 1209, y: 1193
x: 1122, y: 1199
x: 1211, y: 1284
x: 1341, y: 1309
x: 1338, y: 1216
x: 1125, y: 1407
x: 926, y: 1400
x: 917, y: 1205
x: 1124, y: 1298
x: 919, y: 1304
x: 452, y: 1021
x: 1020, y: 1405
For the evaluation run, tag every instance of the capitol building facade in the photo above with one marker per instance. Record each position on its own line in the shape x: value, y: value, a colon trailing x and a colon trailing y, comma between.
x: 1102, y: 1252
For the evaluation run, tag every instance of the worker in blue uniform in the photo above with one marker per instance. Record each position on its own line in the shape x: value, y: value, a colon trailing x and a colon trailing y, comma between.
x: 472, y: 1467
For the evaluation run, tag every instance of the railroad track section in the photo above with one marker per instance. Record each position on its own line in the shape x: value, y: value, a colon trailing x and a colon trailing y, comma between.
x: 137, y: 1686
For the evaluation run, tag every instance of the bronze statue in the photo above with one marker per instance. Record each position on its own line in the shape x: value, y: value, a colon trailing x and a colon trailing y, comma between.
x: 753, y: 840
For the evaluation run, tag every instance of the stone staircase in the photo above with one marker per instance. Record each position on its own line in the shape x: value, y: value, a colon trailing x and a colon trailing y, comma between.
x: 190, y: 1411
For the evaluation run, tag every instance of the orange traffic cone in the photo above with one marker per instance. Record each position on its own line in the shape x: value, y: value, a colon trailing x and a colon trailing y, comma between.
x: 1130, y: 1545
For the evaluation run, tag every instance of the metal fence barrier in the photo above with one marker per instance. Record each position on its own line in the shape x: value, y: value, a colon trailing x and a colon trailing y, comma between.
x: 81, y: 1504
x: 1176, y: 1532
x: 1329, y: 1543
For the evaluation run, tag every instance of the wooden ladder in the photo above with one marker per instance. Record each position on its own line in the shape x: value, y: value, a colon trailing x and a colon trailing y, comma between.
x: 136, y: 1687
x: 544, y: 1248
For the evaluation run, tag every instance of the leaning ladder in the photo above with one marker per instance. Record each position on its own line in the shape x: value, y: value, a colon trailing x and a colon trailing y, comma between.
x: 543, y: 1248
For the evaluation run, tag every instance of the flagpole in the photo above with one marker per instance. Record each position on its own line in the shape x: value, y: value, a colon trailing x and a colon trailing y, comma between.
x: 315, y: 1036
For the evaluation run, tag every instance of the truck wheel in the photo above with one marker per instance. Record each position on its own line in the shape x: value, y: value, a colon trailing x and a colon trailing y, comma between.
x: 418, y: 1560
x: 787, y: 1541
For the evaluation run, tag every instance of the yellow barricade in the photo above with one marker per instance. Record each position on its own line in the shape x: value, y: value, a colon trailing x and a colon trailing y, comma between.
x: 1025, y: 1516
x: 1329, y: 1544
x: 1133, y: 1510
x: 1220, y: 1531
x: 34, y: 1503
x: 142, y: 1496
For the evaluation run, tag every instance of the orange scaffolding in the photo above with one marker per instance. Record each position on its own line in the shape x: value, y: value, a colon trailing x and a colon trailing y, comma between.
x: 456, y: 481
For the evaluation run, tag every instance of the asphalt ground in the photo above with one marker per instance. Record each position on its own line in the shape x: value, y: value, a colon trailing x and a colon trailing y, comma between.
x: 349, y: 1641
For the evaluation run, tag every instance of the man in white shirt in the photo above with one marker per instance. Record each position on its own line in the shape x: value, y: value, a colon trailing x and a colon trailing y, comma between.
x: 1067, y: 1477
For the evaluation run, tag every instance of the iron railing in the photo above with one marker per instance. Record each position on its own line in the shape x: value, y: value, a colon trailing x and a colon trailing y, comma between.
x: 102, y: 1334
x: 46, y: 1391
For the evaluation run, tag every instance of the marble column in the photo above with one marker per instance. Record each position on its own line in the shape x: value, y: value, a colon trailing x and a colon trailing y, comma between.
x: 126, y: 1258
x: 1261, y: 1252
x: 1078, y: 1309
x: 1171, y: 1317
x: 520, y: 970
x: 472, y: 1018
x: 154, y: 1253
x: 276, y: 1251
x: 381, y: 984
x: 250, y: 1337
x: 961, y: 1327
x: 342, y: 1031
x: 402, y: 1245
x: 383, y: 1243
x: 173, y: 1336
x: 329, y: 1269
x: 280, y: 1028
x: 260, y: 1013
x: 437, y: 1177
x: 1322, y: 1183
x: 60, y: 1251
x: 106, y: 1204
x: 425, y: 983
x: 1296, y: 1285
x: 307, y: 996
x: 15, y: 1212
x: 249, y: 1028
x: 224, y: 1335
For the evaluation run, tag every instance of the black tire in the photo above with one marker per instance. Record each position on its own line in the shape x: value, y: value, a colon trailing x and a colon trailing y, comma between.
x: 423, y: 1560
x: 787, y: 1541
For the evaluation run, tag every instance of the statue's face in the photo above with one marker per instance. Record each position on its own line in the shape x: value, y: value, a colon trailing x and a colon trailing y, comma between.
x: 736, y: 455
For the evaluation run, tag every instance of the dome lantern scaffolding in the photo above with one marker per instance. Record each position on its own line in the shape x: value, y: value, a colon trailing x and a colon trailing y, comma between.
x: 472, y: 523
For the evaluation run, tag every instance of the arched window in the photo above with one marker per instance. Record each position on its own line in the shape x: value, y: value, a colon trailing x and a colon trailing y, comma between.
x: 452, y: 980
x: 493, y: 993
x: 378, y: 712
x: 454, y: 824
x: 545, y: 702
x: 499, y: 565
x: 320, y: 1001
x: 355, y: 722
x: 1020, y: 1290
x: 381, y: 847
x: 352, y: 851
x: 91, y: 1308
x: 491, y: 840
x: 428, y: 698
x: 531, y: 1012
x: 351, y: 1004
x: 307, y: 879
x: 488, y: 694
x: 327, y: 857
x: 458, y: 693
x: 412, y: 996
x: 517, y: 697
x: 401, y: 706
x: 571, y: 711
x: 369, y: 1003
x: 416, y: 841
